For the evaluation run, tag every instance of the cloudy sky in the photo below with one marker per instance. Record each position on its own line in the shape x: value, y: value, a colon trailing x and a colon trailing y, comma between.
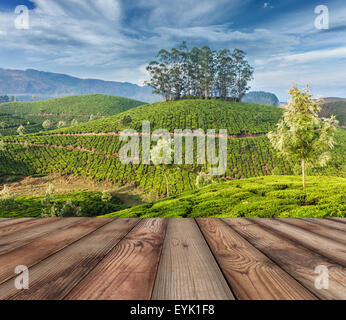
x: 115, y: 39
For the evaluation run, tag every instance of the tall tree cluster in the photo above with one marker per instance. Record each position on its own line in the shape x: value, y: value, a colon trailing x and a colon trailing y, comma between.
x: 200, y: 73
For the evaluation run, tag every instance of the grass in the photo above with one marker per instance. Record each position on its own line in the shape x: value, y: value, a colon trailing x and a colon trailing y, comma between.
x: 264, y: 197
x: 79, y: 107
x: 89, y: 203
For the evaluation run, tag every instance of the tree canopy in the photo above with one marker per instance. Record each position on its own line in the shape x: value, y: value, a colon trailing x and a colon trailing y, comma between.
x: 302, y: 135
x: 200, y: 73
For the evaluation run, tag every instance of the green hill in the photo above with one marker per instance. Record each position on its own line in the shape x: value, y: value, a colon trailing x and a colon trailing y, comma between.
x: 267, y: 197
x: 192, y: 114
x: 249, y: 153
x: 337, y: 108
x: 65, y: 109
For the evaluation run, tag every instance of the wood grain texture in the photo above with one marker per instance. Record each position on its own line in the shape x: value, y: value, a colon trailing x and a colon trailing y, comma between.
x: 56, y: 276
x: 43, y: 227
x: 322, y: 245
x: 323, y: 231
x: 39, y: 249
x: 328, y: 223
x: 187, y: 269
x: 9, y: 221
x: 18, y: 225
x: 129, y: 270
x: 298, y: 261
x: 342, y: 220
x: 250, y: 273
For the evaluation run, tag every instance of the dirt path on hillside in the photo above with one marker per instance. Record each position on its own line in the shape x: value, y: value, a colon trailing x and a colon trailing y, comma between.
x: 140, y: 134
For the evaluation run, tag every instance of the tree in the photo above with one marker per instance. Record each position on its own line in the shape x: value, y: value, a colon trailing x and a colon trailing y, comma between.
x: 3, y: 125
x: 21, y: 130
x: 47, y: 124
x: 2, y: 146
x: 243, y: 73
x: 74, y: 122
x: 303, y: 136
x: 199, y: 73
x: 4, y: 99
x: 203, y: 180
x: 61, y: 124
x: 106, y: 196
x: 126, y: 120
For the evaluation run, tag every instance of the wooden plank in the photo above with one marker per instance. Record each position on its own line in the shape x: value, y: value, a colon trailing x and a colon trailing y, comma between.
x: 324, y: 246
x: 54, y: 277
x: 323, y: 231
x: 41, y: 248
x: 298, y: 261
x: 342, y: 220
x: 129, y: 270
x: 17, y: 239
x: 249, y: 272
x: 328, y: 223
x: 10, y: 221
x: 187, y: 269
x: 19, y: 226
x: 3, y: 220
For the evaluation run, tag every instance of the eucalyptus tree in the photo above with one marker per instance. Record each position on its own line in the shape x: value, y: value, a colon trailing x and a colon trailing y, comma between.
x: 199, y: 73
x: 243, y: 73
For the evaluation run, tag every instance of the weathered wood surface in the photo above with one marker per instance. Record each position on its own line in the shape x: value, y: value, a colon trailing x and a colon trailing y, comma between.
x: 103, y: 258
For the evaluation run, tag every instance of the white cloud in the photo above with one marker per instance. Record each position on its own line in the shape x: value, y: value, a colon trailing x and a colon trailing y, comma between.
x: 100, y: 38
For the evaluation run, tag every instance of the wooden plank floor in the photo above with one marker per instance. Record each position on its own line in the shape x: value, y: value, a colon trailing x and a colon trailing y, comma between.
x: 165, y: 259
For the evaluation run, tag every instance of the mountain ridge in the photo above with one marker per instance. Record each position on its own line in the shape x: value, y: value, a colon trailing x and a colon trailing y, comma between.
x: 43, y: 85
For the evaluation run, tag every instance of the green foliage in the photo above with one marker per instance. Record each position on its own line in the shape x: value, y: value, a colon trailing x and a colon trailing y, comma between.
x: 237, y: 118
x: 96, y: 156
x: 126, y: 120
x: 82, y: 204
x: 338, y: 109
x: 302, y: 135
x: 21, y: 130
x: 47, y: 124
x: 2, y: 145
x: 265, y: 197
x: 199, y: 73
x: 4, y: 99
x: 203, y: 180
x: 68, y: 109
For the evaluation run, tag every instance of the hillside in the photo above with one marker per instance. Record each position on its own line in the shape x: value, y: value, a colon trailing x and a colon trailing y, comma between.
x: 237, y: 118
x: 266, y: 197
x: 92, y: 149
x: 337, y: 108
x: 25, y: 83
x: 61, y: 109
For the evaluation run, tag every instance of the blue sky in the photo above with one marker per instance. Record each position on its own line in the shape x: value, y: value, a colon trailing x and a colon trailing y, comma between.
x: 115, y: 39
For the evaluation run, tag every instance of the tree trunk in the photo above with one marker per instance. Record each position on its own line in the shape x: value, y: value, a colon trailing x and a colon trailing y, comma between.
x: 167, y: 186
x: 303, y: 172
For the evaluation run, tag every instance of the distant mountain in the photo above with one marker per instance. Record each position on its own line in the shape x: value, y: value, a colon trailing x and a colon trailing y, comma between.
x: 262, y: 97
x: 43, y: 85
x: 336, y: 108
